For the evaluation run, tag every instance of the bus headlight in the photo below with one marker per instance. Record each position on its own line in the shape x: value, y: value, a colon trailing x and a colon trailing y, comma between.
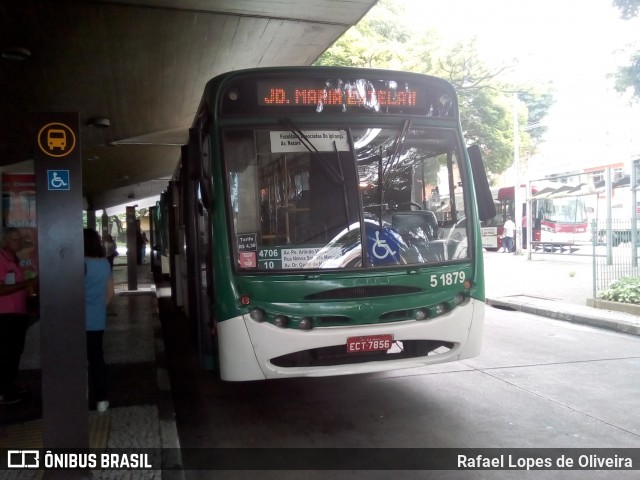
x: 441, y: 308
x: 305, y: 324
x: 281, y: 321
x: 257, y: 314
x: 422, y: 314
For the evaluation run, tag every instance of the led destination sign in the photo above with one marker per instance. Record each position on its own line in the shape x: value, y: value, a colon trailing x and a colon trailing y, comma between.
x: 278, y: 93
x: 291, y: 95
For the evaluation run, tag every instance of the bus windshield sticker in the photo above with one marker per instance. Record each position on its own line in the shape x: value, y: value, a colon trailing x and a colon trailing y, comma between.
x: 291, y: 258
x: 247, y: 242
x: 323, y: 141
x: 247, y: 260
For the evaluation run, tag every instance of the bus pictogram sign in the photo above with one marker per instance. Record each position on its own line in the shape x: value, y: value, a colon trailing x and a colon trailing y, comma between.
x: 56, y: 139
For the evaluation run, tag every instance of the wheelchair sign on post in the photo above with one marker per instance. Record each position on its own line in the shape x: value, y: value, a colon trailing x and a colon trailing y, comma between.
x: 58, y: 180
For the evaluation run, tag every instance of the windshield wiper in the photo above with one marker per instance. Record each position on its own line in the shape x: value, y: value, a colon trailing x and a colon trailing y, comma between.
x: 335, y: 176
x: 398, y: 146
x: 382, y: 171
x: 344, y: 187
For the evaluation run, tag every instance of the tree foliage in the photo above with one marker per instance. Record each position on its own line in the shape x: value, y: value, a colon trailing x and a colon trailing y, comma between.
x: 628, y: 77
x: 628, y: 8
x: 383, y: 39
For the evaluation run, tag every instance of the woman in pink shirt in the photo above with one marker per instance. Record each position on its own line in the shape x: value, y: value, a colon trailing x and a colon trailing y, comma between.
x: 13, y: 314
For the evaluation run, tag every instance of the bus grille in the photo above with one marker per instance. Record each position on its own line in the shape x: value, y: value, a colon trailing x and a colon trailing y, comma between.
x: 362, y: 292
x: 337, y: 355
x: 397, y: 315
x: 334, y: 321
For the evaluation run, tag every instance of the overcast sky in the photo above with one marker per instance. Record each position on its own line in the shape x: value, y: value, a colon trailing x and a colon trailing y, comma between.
x: 574, y: 44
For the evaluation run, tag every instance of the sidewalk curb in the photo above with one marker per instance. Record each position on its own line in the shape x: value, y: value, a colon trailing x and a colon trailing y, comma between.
x: 170, y: 441
x: 617, y: 325
x: 629, y: 308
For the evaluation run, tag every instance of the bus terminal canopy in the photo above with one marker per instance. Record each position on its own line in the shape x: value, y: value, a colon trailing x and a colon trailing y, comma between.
x: 135, y: 71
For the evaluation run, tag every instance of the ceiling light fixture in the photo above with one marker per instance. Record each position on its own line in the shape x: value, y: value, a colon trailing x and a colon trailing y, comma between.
x: 99, y: 122
x: 17, y: 54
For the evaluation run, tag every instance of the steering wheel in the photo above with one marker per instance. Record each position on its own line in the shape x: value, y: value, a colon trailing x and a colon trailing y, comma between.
x: 416, y: 204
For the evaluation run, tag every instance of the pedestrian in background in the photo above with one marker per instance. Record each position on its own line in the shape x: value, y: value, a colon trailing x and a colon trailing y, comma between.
x: 110, y: 249
x: 139, y: 243
x: 509, y: 231
x: 13, y: 314
x: 98, y: 285
x: 143, y: 247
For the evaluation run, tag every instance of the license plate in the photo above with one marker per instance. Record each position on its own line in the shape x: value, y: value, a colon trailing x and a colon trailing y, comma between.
x: 369, y: 343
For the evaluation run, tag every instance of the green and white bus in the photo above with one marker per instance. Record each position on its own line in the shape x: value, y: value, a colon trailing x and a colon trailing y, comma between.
x: 325, y: 221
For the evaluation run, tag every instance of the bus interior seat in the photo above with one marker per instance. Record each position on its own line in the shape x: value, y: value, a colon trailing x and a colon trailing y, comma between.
x: 416, y: 225
x: 310, y: 232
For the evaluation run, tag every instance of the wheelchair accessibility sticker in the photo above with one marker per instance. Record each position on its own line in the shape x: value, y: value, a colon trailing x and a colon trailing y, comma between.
x: 58, y: 180
x: 383, y: 246
x: 56, y: 139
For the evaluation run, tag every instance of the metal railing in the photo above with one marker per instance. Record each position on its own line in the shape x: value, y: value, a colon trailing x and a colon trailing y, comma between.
x: 615, y: 251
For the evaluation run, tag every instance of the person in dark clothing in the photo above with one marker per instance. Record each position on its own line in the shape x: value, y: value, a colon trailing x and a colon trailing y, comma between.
x: 139, y: 243
x: 110, y: 249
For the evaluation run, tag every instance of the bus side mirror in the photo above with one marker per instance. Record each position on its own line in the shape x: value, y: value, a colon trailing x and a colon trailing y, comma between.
x: 486, y: 206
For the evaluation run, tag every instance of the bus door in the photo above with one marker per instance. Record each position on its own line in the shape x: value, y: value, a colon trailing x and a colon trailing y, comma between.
x: 197, y: 193
x: 204, y: 282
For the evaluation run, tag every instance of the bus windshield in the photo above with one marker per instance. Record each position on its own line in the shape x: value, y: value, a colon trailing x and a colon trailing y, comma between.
x: 306, y: 198
x: 563, y: 210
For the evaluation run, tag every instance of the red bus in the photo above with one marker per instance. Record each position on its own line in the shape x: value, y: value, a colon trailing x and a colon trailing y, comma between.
x: 560, y: 215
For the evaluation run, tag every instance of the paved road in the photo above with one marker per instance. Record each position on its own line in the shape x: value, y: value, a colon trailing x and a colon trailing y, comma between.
x: 568, y: 278
x: 538, y: 383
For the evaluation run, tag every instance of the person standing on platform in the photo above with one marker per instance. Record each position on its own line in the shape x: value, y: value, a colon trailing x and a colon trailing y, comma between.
x: 13, y: 314
x: 110, y: 249
x: 139, y: 243
x: 508, y: 234
x: 98, y: 285
x: 143, y: 248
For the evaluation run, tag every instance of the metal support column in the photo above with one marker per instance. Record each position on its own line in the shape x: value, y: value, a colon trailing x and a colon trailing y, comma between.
x: 531, y: 215
x: 91, y: 218
x: 154, y: 241
x: 105, y: 224
x: 132, y: 249
x: 58, y: 173
x: 635, y: 167
x: 609, y: 190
